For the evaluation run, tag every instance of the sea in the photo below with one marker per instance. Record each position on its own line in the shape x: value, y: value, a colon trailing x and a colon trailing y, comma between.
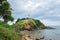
x: 48, y: 34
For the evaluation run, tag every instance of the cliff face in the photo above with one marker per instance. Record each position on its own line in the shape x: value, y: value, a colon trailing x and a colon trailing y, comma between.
x: 28, y: 24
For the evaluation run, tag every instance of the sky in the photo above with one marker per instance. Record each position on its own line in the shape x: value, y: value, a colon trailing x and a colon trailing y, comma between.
x: 47, y: 11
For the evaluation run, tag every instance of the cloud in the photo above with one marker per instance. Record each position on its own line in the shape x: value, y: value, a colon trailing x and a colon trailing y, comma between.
x: 46, y: 10
x: 50, y: 22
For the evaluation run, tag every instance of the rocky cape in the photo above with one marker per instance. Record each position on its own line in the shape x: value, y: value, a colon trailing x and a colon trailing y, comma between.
x: 29, y: 24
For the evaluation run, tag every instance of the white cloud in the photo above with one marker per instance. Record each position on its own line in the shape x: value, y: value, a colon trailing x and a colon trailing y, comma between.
x: 1, y: 19
x: 50, y: 22
x: 30, y: 5
x: 58, y: 1
x: 35, y: 8
x: 12, y: 22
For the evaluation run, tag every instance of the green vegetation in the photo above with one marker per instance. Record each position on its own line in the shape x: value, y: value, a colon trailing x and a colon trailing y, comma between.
x: 28, y: 24
x: 10, y: 32
x: 6, y: 30
x: 6, y: 34
x: 5, y: 11
x: 20, y: 22
x: 3, y: 24
x: 38, y: 22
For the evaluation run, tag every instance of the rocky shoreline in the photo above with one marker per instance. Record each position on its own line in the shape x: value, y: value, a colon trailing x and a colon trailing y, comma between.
x: 27, y: 37
x: 27, y: 25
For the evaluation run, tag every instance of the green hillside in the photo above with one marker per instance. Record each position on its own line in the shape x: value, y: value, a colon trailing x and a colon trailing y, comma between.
x: 28, y: 23
x: 7, y: 33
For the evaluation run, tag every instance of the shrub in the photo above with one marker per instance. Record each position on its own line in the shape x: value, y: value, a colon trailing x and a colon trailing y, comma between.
x: 6, y: 34
x: 3, y: 24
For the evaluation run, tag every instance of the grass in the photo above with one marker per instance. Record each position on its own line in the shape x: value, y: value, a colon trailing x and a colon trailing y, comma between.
x: 3, y: 24
x: 34, y: 21
x: 7, y: 32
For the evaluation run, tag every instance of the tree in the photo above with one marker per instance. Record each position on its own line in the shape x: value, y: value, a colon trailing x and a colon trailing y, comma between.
x: 5, y: 11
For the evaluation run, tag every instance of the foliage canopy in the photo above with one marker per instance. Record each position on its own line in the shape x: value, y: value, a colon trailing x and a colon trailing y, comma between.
x: 5, y: 11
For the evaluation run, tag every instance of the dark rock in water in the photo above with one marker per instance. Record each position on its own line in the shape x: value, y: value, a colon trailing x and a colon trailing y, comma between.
x: 49, y: 28
x: 37, y: 39
x: 50, y: 39
x: 42, y: 37
x: 42, y: 26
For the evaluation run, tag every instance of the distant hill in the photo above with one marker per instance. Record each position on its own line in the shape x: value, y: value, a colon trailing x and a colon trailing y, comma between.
x: 28, y: 24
